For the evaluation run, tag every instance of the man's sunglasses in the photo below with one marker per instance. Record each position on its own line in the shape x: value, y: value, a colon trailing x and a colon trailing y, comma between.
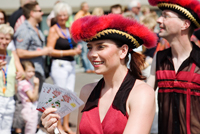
x: 37, y: 10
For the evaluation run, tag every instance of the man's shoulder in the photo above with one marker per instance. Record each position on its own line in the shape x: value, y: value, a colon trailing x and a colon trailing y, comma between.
x: 23, y: 28
x: 16, y: 15
x: 16, y: 12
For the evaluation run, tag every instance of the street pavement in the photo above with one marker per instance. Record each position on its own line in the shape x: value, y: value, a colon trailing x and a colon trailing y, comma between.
x: 81, y: 80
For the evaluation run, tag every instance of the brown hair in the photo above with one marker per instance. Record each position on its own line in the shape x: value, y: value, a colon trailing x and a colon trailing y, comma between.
x: 27, y: 63
x: 116, y: 6
x: 136, y: 63
x: 27, y: 8
x: 4, y: 15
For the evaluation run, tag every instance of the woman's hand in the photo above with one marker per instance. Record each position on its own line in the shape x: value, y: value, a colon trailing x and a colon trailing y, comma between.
x: 50, y: 120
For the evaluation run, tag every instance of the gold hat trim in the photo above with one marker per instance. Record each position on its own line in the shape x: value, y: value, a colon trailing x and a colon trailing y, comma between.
x: 111, y: 31
x: 183, y: 10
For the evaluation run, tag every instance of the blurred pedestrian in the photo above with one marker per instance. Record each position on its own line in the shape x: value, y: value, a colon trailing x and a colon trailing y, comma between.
x: 176, y: 70
x: 28, y: 93
x: 135, y: 6
x: 120, y: 102
x: 17, y: 18
x: 98, y: 11
x: 86, y: 63
x: 8, y: 75
x: 31, y: 46
x: 145, y: 11
x: 83, y: 12
x: 17, y: 120
x: 129, y: 15
x: 116, y: 9
x: 51, y: 15
x: 63, y: 51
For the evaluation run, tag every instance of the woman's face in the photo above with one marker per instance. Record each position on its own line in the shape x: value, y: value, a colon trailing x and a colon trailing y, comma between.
x: 62, y: 18
x: 2, y: 19
x: 104, y: 55
x: 5, y: 39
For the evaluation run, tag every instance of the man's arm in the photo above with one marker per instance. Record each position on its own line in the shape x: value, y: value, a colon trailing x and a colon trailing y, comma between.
x: 22, y: 42
x: 152, y: 78
x: 26, y: 54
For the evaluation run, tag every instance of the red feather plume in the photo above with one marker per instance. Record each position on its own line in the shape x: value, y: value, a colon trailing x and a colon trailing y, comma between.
x: 89, y: 26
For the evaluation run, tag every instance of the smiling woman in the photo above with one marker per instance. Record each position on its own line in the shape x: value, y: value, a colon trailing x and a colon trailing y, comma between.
x: 120, y: 98
x: 7, y: 80
x: 64, y: 50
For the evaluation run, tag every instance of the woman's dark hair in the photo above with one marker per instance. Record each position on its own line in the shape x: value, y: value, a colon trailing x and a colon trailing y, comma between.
x: 27, y: 63
x: 136, y: 63
x: 53, y: 21
x: 4, y: 15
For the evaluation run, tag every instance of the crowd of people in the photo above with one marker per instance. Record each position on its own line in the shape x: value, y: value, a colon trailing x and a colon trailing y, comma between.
x: 149, y: 63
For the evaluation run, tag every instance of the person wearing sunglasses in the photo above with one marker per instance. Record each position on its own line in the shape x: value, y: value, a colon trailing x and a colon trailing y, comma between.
x: 30, y: 41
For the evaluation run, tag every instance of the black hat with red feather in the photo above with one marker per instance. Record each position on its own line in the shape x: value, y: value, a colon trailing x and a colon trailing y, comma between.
x: 190, y: 9
x: 115, y: 27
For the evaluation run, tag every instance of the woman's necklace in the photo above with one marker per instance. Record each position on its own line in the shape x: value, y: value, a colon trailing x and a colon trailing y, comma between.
x: 66, y: 36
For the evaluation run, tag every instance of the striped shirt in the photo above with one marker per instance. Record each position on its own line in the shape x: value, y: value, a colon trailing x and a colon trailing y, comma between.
x: 179, y: 93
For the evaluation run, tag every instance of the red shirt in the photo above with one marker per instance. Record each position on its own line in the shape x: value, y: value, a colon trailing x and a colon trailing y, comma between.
x: 116, y: 117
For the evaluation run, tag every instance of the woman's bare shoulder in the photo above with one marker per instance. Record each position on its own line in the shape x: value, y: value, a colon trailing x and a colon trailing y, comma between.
x: 141, y: 92
x: 53, y: 29
x: 86, y: 91
x: 141, y: 86
x: 141, y: 97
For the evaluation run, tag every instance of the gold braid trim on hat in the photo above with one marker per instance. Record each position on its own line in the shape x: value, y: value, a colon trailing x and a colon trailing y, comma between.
x: 111, y: 31
x: 182, y: 9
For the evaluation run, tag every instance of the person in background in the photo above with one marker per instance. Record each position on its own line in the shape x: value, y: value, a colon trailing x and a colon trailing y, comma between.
x: 11, y: 46
x: 51, y: 15
x: 176, y: 70
x: 129, y: 15
x: 120, y: 102
x: 29, y: 95
x: 145, y: 11
x: 135, y: 6
x: 149, y: 22
x: 196, y: 37
x: 86, y: 63
x: 98, y: 11
x: 17, y: 120
x: 83, y: 12
x: 17, y: 18
x: 116, y: 9
x: 31, y: 46
x: 63, y: 51
x: 8, y: 75
x: 3, y: 18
